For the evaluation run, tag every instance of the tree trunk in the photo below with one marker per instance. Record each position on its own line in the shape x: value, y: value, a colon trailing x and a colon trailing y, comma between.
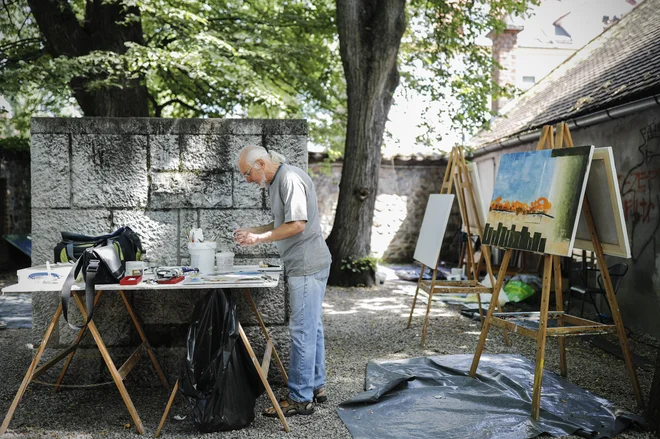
x: 65, y: 36
x: 653, y: 409
x: 370, y: 33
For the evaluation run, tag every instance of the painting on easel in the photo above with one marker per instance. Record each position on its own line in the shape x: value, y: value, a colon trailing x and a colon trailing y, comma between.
x: 536, y: 200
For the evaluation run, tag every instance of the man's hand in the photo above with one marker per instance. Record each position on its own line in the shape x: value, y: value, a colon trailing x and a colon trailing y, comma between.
x: 246, y: 237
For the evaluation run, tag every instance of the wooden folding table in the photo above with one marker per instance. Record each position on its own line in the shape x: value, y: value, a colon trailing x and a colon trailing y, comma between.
x: 268, y: 280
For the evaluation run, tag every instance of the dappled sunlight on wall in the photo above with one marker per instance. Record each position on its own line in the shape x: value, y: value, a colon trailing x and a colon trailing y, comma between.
x: 389, y: 213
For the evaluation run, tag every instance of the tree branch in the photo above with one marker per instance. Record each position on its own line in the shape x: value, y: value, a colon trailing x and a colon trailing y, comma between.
x: 180, y: 102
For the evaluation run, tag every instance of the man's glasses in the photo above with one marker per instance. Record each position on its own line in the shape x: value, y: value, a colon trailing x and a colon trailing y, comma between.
x: 249, y: 169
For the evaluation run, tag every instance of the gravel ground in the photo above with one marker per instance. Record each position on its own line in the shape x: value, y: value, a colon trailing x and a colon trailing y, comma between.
x: 361, y: 324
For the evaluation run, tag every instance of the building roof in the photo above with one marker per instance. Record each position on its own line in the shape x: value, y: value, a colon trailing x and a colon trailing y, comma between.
x: 619, y: 66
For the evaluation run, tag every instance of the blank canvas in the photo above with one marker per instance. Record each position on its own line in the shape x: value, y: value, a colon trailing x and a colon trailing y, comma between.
x: 433, y: 229
x: 605, y: 202
x: 476, y: 227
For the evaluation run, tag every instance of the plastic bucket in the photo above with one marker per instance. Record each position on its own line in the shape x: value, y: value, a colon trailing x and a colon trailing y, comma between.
x: 202, y: 256
x: 224, y: 261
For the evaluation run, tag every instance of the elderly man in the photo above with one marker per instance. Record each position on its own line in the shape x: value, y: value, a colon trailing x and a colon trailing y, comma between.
x: 296, y: 231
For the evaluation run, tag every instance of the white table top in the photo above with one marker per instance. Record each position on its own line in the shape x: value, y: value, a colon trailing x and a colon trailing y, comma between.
x: 245, y: 276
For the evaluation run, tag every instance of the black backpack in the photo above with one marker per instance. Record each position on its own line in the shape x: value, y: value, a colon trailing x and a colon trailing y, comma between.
x: 100, y: 259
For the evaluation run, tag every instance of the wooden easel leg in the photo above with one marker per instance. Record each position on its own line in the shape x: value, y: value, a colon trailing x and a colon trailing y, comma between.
x: 556, y: 262
x: 412, y: 309
x: 75, y: 343
x: 485, y: 252
x: 493, y: 303
x: 263, y: 378
x: 541, y: 337
x: 30, y: 371
x: 167, y: 409
x: 426, y: 319
x: 119, y: 382
x: 611, y: 299
x: 143, y: 337
x: 265, y: 332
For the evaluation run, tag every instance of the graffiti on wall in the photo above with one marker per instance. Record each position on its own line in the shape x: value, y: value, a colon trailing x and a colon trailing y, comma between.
x: 640, y: 194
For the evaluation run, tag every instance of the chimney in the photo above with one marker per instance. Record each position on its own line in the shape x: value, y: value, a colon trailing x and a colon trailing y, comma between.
x: 504, y: 47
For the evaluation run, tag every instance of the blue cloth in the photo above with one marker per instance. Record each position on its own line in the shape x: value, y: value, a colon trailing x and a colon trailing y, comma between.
x: 307, y: 361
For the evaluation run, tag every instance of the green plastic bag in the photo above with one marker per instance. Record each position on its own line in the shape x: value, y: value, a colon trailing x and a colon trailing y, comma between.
x: 517, y: 290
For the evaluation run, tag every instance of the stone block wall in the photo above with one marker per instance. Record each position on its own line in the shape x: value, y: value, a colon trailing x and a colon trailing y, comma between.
x: 160, y: 177
x: 404, y: 187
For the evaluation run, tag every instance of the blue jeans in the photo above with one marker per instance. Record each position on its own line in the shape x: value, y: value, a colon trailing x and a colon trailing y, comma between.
x: 307, y: 361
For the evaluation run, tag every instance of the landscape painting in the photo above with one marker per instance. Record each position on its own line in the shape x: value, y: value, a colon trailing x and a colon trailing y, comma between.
x: 536, y: 200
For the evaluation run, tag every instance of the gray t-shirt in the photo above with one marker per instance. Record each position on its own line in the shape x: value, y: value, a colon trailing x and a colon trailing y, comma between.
x: 293, y: 198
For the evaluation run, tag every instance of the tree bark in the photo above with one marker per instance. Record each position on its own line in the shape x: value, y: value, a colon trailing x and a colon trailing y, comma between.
x: 370, y: 34
x: 653, y: 409
x: 65, y: 36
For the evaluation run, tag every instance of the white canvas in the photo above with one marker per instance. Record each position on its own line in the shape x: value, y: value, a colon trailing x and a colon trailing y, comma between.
x: 605, y: 202
x: 433, y: 229
x: 476, y: 227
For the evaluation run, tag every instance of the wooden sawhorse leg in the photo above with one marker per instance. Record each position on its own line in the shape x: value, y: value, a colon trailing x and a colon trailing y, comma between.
x: 145, y: 342
x: 116, y: 376
x: 29, y: 375
x: 261, y: 368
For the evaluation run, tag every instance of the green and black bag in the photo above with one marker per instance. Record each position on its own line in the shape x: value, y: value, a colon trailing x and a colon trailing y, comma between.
x: 99, y: 259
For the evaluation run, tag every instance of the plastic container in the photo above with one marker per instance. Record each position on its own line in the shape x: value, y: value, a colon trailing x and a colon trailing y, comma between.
x: 224, y: 261
x: 202, y: 256
x: 134, y: 268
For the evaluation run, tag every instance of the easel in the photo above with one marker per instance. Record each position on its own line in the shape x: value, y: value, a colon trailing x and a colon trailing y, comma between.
x: 457, y: 174
x: 579, y: 326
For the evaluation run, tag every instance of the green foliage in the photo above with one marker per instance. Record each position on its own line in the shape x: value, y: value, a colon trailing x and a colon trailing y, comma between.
x: 14, y: 144
x: 359, y: 265
x: 215, y: 58
x: 263, y: 58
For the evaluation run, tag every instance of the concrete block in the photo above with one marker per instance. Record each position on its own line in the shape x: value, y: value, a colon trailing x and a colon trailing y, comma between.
x: 170, y: 360
x: 47, y: 225
x: 190, y: 189
x: 205, y: 153
x: 164, y: 152
x: 50, y: 182
x: 166, y: 307
x: 44, y: 305
x: 111, y: 318
x: 270, y: 303
x: 294, y: 148
x: 293, y: 127
x: 247, y: 195
x: 158, y: 232
x: 224, y: 222
x: 109, y: 171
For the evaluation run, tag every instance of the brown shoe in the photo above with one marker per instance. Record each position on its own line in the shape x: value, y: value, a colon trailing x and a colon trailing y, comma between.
x: 291, y: 408
x: 319, y: 395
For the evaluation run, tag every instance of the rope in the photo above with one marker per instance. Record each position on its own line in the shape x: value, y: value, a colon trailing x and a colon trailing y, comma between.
x: 72, y: 385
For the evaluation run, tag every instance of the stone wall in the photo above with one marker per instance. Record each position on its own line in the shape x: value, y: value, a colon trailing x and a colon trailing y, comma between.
x: 159, y: 176
x: 14, y: 204
x: 635, y: 141
x: 403, y: 190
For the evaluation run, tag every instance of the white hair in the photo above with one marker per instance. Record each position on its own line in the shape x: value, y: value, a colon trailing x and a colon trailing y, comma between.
x: 252, y: 153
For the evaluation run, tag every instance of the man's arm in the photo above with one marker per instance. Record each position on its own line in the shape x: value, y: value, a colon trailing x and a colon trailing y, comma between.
x: 259, y: 229
x: 286, y: 230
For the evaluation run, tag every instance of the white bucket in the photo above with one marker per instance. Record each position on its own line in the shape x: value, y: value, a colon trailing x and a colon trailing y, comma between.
x: 224, y: 261
x: 201, y: 256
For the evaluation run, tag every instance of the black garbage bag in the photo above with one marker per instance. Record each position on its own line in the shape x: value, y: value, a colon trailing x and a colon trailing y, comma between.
x: 218, y: 376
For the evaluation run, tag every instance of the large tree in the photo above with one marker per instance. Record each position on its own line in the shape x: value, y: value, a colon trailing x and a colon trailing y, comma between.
x: 442, y: 43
